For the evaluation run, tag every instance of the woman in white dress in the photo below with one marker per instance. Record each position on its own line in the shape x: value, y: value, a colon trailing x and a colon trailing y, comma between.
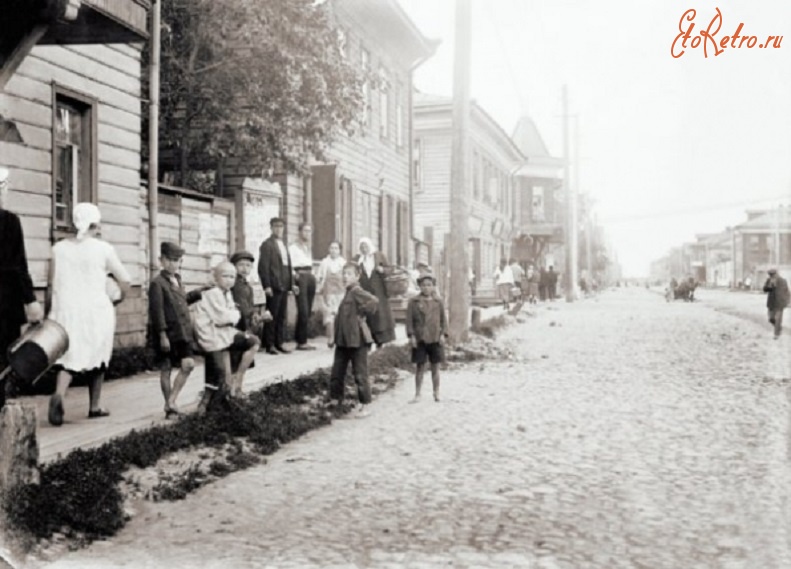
x: 330, y: 287
x: 78, y: 300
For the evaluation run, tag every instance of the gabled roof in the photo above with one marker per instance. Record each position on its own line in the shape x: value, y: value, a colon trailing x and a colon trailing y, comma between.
x: 528, y: 139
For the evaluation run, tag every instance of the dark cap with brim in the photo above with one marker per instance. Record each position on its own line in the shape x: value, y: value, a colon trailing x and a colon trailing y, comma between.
x: 171, y: 250
x: 240, y: 255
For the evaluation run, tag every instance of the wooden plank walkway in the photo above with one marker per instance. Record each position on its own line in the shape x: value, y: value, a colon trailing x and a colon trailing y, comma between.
x: 136, y: 402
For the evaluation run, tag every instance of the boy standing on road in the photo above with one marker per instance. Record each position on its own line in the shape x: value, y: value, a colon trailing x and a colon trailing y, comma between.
x: 353, y: 339
x: 427, y: 329
x: 170, y: 332
x: 776, y: 300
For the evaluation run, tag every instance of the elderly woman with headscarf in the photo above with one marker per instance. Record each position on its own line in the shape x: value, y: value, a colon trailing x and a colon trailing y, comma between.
x: 79, y: 301
x: 373, y: 265
x: 17, y: 299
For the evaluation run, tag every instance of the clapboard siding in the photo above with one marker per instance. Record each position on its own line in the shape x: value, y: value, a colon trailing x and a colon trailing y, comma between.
x: 109, y: 75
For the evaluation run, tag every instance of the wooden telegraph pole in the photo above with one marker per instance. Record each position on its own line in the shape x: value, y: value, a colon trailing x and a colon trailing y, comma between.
x: 571, y: 228
x: 458, y: 303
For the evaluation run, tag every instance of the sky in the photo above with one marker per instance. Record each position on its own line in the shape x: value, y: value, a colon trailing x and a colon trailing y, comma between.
x: 669, y: 147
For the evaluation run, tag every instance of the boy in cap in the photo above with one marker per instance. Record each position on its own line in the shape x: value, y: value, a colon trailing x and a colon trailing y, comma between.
x: 353, y: 338
x: 427, y: 329
x: 170, y: 332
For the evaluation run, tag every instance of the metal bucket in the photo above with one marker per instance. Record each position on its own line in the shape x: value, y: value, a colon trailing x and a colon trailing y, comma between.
x: 37, y: 349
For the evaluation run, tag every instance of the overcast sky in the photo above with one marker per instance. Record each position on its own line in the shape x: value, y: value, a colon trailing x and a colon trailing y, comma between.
x: 670, y: 147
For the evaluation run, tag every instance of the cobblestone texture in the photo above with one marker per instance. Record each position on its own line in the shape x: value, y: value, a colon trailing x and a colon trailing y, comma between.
x: 635, y: 434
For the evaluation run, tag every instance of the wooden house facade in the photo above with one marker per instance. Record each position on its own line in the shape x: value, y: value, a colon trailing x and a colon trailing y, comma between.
x: 70, y: 131
x: 364, y: 187
x: 495, y: 204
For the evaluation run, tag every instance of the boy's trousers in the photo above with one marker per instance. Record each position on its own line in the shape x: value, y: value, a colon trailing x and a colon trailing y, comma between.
x: 359, y: 359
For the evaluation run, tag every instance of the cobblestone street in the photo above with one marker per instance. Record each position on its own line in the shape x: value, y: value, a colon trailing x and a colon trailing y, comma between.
x: 632, y: 433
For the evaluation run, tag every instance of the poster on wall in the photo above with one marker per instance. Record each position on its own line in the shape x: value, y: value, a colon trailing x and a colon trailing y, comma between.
x: 261, y: 202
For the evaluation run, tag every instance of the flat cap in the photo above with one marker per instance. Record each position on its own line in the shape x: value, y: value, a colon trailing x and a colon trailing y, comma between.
x: 239, y: 255
x: 171, y: 250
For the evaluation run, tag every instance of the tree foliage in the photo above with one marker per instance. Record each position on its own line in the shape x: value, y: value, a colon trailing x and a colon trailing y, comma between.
x: 259, y: 82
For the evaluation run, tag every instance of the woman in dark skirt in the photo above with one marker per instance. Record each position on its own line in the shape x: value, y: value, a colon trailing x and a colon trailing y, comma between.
x: 373, y: 265
x: 18, y: 303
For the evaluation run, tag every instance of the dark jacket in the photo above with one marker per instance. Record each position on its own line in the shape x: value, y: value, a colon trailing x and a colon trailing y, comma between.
x: 243, y: 297
x: 16, y: 286
x: 425, y: 319
x: 778, y: 296
x: 271, y: 270
x: 351, y: 329
x: 381, y: 322
x: 168, y: 310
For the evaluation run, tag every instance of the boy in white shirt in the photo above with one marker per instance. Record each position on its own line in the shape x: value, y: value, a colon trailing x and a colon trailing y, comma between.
x: 216, y: 332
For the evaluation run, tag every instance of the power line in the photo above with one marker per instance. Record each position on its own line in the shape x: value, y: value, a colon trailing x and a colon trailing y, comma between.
x: 497, y: 32
x: 657, y: 215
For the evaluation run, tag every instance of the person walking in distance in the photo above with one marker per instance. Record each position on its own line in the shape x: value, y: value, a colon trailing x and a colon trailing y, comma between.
x: 302, y: 260
x: 777, y: 299
x: 504, y: 281
x: 427, y: 329
x: 276, y: 274
x: 552, y: 283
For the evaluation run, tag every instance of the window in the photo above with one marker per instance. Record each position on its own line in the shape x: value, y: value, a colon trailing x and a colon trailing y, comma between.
x: 74, y: 155
x: 538, y: 204
x: 384, y: 102
x: 417, y: 165
x: 476, y: 176
x: 365, y: 63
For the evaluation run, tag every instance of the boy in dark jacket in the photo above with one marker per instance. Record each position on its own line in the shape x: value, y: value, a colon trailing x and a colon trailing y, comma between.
x: 170, y: 332
x: 353, y: 339
x: 427, y: 329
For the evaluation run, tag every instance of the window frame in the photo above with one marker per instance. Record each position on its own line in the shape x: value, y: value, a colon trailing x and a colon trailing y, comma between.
x: 89, y: 192
x: 384, y: 103
x: 365, y: 66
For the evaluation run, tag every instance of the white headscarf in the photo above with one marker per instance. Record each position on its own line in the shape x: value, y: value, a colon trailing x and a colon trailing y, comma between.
x: 84, y: 215
x: 367, y: 261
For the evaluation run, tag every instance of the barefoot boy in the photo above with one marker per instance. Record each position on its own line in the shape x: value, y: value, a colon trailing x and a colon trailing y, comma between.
x: 215, y: 328
x: 170, y: 325
x: 353, y: 338
x: 427, y: 330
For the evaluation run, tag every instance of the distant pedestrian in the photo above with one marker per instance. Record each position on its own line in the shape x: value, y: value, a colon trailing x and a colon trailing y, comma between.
x: 170, y: 334
x: 777, y: 299
x: 302, y: 260
x: 353, y: 339
x: 552, y: 283
x: 504, y: 281
x: 427, y: 329
x: 330, y: 288
x: 277, y: 278
x: 373, y: 267
x: 530, y: 285
x: 79, y: 302
x: 518, y: 272
x: 18, y: 304
x: 216, y: 318
x: 543, y: 285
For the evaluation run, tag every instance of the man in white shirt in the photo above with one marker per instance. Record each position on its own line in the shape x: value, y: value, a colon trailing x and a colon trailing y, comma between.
x: 302, y: 261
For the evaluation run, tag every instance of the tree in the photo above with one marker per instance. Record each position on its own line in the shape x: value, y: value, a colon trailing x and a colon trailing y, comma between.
x: 260, y: 82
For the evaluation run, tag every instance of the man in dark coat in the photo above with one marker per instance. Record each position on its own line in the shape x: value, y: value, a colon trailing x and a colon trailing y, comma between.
x: 277, y: 278
x: 777, y: 299
x: 552, y: 283
x: 18, y: 303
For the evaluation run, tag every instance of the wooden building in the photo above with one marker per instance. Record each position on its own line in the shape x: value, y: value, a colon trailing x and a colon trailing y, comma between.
x: 493, y: 160
x: 762, y: 242
x: 541, y: 213
x: 364, y: 188
x: 70, y: 129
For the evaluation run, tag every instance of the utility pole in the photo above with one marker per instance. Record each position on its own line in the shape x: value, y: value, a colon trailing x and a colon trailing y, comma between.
x: 153, y: 137
x: 588, y: 200
x: 459, y: 306
x: 571, y: 208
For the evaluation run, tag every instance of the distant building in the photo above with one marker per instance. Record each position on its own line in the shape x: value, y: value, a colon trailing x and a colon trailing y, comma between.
x: 761, y: 242
x: 492, y: 161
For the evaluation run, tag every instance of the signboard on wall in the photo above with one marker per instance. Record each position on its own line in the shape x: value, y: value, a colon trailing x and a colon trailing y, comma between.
x: 260, y: 202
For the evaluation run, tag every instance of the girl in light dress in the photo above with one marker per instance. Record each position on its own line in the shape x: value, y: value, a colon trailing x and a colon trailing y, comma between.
x: 78, y: 300
x: 330, y: 287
